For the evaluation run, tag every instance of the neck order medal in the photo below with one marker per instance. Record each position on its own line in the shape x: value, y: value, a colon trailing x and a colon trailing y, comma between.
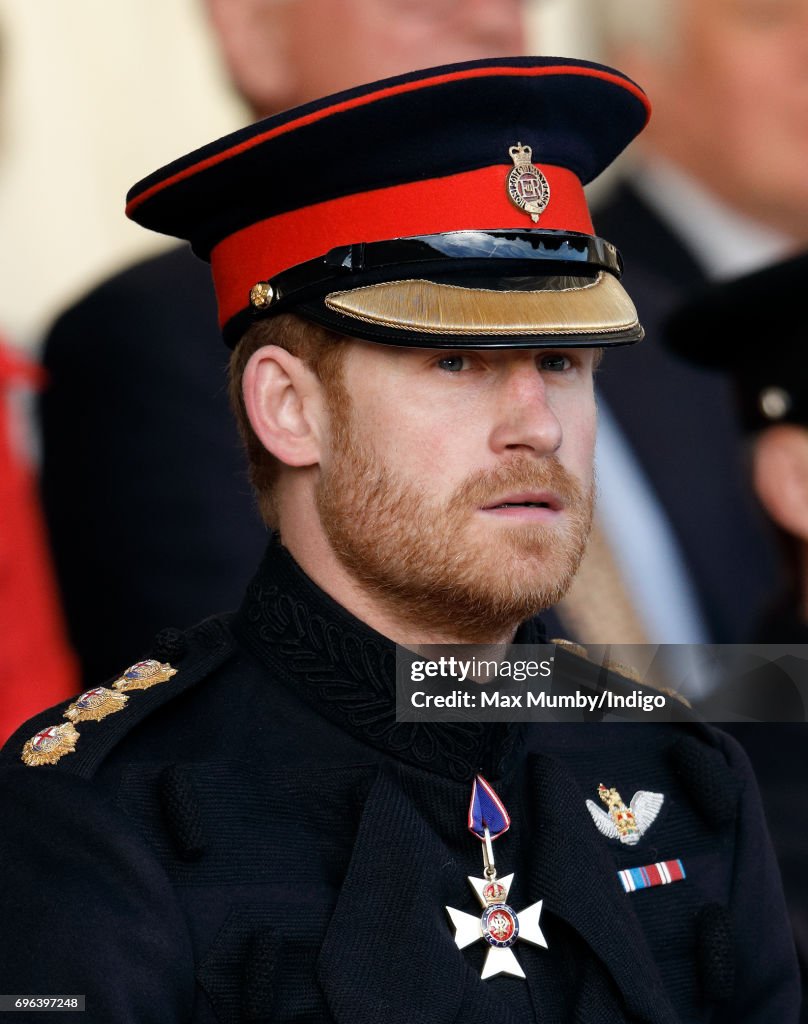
x: 499, y: 924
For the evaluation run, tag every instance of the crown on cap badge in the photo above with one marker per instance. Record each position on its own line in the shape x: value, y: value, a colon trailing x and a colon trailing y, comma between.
x: 527, y: 186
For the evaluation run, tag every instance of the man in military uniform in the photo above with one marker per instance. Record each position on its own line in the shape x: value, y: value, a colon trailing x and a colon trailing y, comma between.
x: 239, y: 828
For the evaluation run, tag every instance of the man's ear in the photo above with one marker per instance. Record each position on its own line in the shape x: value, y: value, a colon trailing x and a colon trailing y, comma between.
x: 284, y: 403
x: 780, y: 474
x: 252, y: 36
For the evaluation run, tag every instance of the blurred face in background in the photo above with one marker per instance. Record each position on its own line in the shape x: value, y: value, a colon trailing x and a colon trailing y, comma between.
x: 281, y: 53
x: 339, y: 43
x: 730, y: 95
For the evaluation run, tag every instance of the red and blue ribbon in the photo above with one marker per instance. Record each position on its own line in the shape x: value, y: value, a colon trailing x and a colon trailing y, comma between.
x: 487, y: 811
x: 649, y: 875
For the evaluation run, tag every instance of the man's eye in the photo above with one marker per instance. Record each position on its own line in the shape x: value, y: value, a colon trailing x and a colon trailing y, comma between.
x: 452, y: 364
x: 555, y: 363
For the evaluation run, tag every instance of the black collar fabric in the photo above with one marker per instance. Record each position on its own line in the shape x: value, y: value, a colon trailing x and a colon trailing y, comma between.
x: 346, y: 671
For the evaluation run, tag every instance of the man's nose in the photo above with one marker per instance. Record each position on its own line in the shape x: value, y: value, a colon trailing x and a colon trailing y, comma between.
x: 525, y: 419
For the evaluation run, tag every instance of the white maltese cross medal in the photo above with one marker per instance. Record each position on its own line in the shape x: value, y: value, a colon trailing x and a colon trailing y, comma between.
x: 499, y: 924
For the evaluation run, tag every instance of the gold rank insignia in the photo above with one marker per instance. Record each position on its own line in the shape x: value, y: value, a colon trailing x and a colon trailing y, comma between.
x: 95, y: 704
x: 51, y: 744
x: 144, y: 675
x: 527, y: 186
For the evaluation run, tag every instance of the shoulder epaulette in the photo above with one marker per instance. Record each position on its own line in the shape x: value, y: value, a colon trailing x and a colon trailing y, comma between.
x: 610, y: 673
x: 76, y: 735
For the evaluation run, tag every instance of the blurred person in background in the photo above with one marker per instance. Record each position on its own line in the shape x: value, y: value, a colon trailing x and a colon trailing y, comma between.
x: 144, y: 481
x: 718, y: 189
x: 753, y: 328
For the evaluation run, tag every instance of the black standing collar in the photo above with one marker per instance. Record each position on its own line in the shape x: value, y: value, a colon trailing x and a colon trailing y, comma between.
x: 346, y: 671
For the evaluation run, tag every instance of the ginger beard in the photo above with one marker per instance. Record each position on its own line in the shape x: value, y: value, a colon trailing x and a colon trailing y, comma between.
x: 436, y: 565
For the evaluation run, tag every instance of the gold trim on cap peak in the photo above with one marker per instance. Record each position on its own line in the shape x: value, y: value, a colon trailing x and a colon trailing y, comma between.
x: 601, y: 306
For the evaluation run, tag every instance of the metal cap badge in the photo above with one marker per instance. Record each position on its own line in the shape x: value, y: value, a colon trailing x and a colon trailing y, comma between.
x: 527, y: 186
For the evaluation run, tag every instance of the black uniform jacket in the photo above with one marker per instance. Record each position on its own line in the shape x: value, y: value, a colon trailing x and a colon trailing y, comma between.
x: 257, y: 839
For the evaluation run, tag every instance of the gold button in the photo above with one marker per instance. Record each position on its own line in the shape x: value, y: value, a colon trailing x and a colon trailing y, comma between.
x: 261, y: 295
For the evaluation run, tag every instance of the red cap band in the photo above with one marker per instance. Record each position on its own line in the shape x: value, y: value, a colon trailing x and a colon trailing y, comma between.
x: 459, y: 202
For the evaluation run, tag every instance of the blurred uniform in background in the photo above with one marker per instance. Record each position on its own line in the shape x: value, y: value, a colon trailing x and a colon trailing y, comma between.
x: 754, y: 328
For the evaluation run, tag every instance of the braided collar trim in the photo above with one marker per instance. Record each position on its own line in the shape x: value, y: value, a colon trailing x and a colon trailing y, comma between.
x: 346, y: 671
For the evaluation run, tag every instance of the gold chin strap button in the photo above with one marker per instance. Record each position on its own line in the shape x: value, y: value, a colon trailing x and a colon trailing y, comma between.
x: 261, y: 295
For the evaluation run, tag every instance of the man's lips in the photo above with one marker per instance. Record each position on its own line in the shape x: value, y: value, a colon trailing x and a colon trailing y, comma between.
x: 525, y: 506
x: 525, y: 500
